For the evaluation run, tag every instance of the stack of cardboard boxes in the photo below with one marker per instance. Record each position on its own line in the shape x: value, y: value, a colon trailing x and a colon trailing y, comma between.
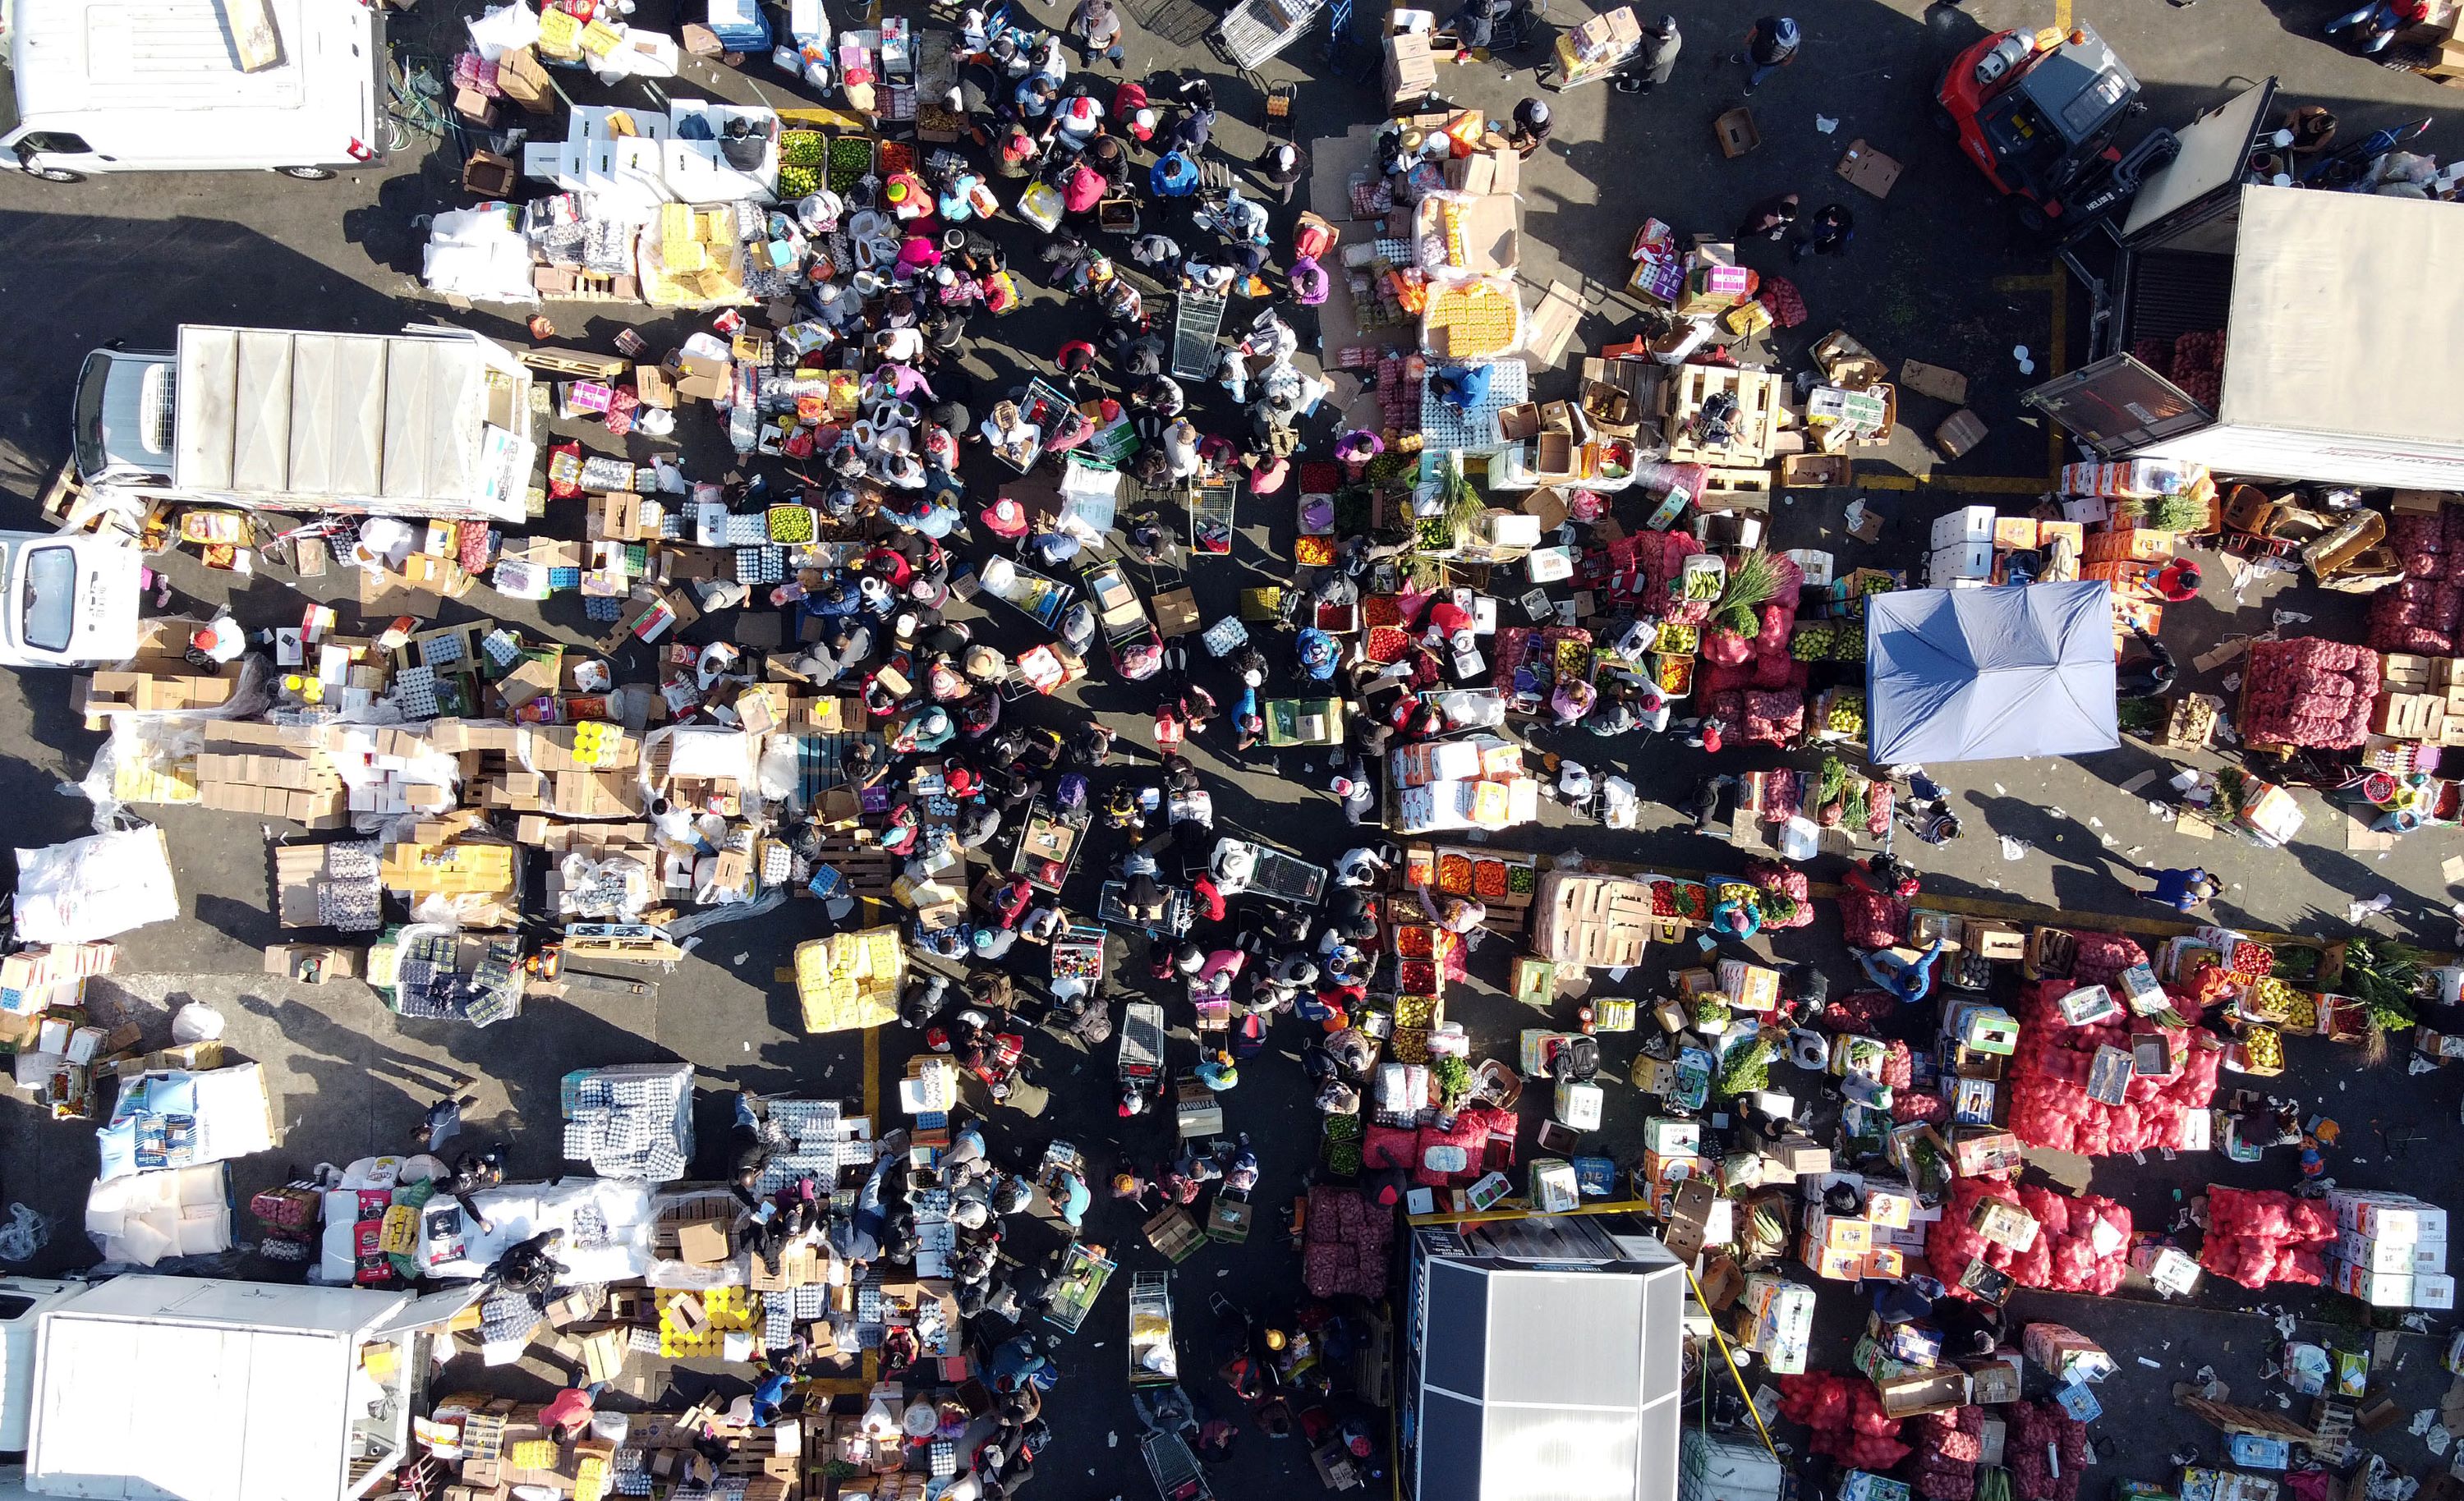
x: 2390, y: 1249
x: 2421, y: 699
x: 1875, y: 1242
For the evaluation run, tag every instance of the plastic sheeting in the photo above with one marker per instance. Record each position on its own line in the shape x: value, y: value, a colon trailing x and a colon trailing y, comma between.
x: 1984, y: 674
x: 94, y: 888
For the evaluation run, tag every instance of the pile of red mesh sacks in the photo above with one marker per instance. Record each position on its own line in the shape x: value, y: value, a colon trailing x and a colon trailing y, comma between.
x: 2049, y: 1101
x: 1948, y: 1448
x: 2066, y: 1255
x: 2035, y: 1426
x: 2423, y: 612
x: 1751, y: 684
x: 1868, y: 920
x: 1345, y: 1247
x: 2257, y: 1236
x: 1478, y: 1128
x: 2310, y: 691
x: 1846, y: 1416
x: 1635, y: 572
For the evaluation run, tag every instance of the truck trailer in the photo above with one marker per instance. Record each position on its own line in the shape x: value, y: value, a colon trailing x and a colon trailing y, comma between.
x: 431, y: 422
x: 147, y: 1388
x: 2320, y: 377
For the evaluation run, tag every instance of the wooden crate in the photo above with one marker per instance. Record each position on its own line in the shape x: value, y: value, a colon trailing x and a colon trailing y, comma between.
x: 1748, y: 488
x: 1754, y: 430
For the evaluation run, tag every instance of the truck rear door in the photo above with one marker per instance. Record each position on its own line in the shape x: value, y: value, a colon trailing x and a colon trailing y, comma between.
x: 2118, y: 405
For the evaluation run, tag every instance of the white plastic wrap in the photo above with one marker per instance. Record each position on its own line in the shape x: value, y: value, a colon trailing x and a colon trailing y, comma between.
x: 503, y: 30
x: 97, y: 887
x: 480, y: 254
x: 517, y: 1211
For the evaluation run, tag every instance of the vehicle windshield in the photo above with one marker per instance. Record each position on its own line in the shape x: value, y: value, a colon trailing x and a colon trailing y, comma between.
x: 92, y: 457
x: 50, y: 598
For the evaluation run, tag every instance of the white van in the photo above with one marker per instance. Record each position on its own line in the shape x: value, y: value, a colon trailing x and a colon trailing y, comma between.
x: 72, y: 602
x: 118, y: 86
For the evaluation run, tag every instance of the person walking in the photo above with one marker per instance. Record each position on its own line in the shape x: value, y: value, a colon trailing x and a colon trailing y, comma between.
x: 1828, y: 234
x: 1655, y: 61
x: 1530, y: 127
x: 1281, y: 165
x: 1771, y: 46
x: 1769, y: 220
x: 1098, y: 30
x: 2182, y: 890
x: 442, y: 1122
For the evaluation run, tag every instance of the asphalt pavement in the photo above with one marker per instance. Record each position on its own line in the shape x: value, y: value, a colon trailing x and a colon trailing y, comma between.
x: 1938, y: 271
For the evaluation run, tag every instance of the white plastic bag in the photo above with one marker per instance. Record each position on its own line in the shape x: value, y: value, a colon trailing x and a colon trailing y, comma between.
x: 196, y: 1022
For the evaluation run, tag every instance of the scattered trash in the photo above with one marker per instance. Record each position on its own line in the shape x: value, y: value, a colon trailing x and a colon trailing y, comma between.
x: 1825, y: 123
x: 2013, y: 849
x: 25, y: 1233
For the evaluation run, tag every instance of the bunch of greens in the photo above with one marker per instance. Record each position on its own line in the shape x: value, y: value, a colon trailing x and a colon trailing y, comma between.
x: 2379, y: 973
x: 1752, y: 580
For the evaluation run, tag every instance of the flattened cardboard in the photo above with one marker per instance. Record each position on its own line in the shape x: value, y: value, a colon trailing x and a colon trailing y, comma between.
x: 1869, y: 169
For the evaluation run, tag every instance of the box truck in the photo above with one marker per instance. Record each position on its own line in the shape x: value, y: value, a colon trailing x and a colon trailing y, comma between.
x: 293, y: 86
x: 2320, y: 375
x: 431, y: 422
x: 189, y: 1389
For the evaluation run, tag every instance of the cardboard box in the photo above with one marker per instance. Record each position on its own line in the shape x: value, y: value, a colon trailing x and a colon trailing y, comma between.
x: 1943, y: 385
x: 701, y: 1243
x: 1923, y: 1391
x: 1411, y: 71
x: 1994, y: 1379
x: 1869, y: 169
x: 1960, y: 431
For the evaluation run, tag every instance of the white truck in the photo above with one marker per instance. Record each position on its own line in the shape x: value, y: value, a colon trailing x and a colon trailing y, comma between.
x: 291, y: 86
x: 2325, y: 375
x: 431, y: 422
x: 147, y: 1388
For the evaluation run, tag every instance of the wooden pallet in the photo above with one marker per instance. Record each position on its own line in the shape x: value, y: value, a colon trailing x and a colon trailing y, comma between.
x: 1755, y: 428
x: 868, y: 868
x: 1735, y: 486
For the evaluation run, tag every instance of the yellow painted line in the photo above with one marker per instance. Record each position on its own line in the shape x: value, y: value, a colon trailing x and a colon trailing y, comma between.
x: 2062, y: 15
x: 1973, y: 483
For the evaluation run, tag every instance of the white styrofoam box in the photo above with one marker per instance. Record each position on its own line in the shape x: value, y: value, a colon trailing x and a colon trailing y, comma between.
x: 1580, y: 1103
x: 2373, y: 1255
x: 1967, y: 524
x: 1963, y: 561
x: 2409, y: 1220
x: 2378, y: 1289
x: 1815, y: 563
x: 2433, y: 1290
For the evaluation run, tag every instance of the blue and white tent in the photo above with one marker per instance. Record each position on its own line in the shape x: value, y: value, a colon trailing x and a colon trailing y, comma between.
x: 1983, y: 674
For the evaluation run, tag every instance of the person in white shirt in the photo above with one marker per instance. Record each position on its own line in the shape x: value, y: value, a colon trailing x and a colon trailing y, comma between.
x: 1360, y: 866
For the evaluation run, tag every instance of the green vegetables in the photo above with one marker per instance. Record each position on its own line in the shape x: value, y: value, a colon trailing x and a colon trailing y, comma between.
x: 1752, y: 580
x: 1453, y: 1076
x: 797, y: 181
x: 1746, y: 1068
x: 2380, y: 972
x: 1828, y: 640
x: 803, y: 148
x: 849, y: 160
x: 1710, y: 1014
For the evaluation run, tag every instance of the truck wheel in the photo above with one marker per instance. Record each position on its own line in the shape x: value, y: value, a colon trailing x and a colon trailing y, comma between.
x: 53, y: 174
x: 307, y: 174
x: 2032, y: 218
x: 1943, y: 123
